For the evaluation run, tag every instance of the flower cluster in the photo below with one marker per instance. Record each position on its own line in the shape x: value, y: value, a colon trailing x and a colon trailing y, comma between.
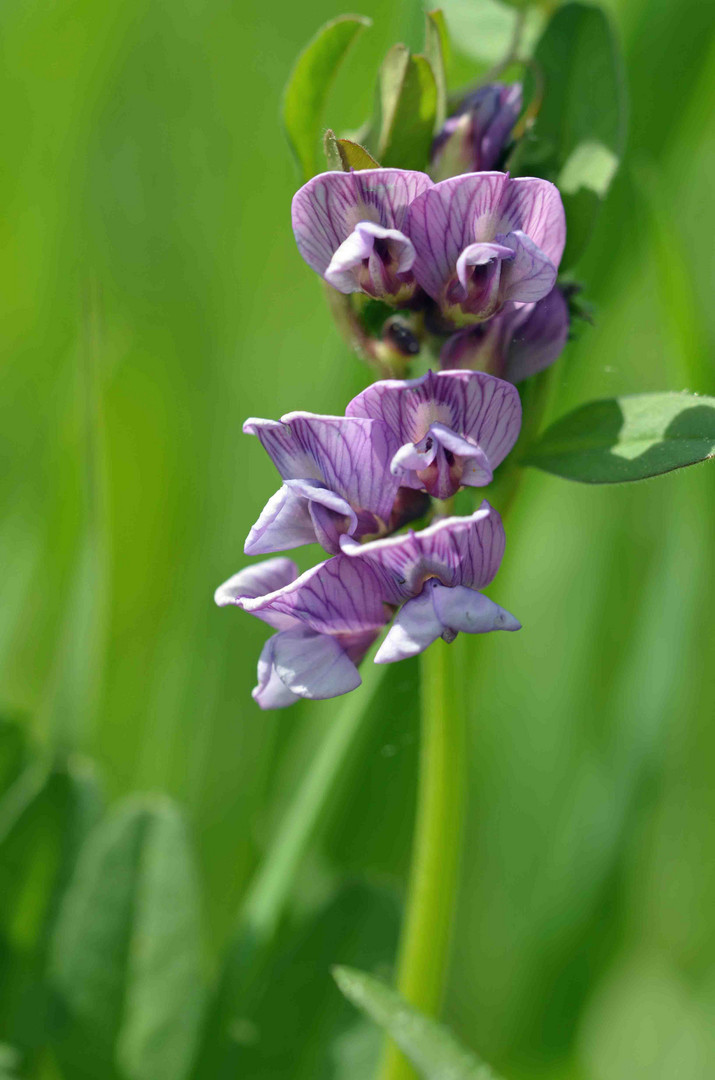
x: 348, y: 483
x: 473, y: 258
x: 467, y: 255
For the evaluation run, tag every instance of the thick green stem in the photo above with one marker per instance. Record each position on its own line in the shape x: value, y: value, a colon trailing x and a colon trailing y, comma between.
x: 424, y: 949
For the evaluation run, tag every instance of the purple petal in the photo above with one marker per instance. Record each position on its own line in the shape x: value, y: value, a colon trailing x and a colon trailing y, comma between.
x: 475, y: 138
x: 348, y: 259
x: 326, y: 209
x: 538, y: 337
x: 455, y: 551
x: 446, y: 219
x: 341, y: 596
x: 530, y: 275
x: 480, y: 255
x: 415, y: 627
x: 534, y: 207
x: 472, y: 404
x: 470, y: 612
x: 271, y: 692
x: 313, y: 665
x: 302, y: 664
x: 292, y: 517
x: 350, y: 456
x: 255, y: 581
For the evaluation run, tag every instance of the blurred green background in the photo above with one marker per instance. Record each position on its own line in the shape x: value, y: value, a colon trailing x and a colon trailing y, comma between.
x: 152, y: 299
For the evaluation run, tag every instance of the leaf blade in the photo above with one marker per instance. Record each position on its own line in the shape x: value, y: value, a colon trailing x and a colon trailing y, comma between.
x: 429, y: 1046
x: 578, y: 136
x: 618, y: 440
x: 126, y: 950
x: 309, y: 83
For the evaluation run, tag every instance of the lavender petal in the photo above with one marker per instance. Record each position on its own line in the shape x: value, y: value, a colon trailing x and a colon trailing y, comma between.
x: 538, y: 338
x: 534, y: 207
x: 313, y: 665
x: 530, y: 275
x: 350, y: 456
x: 270, y: 691
x: 467, y: 611
x: 454, y: 551
x: 476, y: 406
x: 415, y: 627
x: 287, y: 520
x: 341, y: 272
x: 326, y: 209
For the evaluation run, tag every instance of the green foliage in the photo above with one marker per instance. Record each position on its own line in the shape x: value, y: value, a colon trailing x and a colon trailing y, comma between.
x: 437, y: 54
x: 126, y: 955
x: 579, y: 133
x: 407, y: 103
x: 627, y: 438
x: 429, y: 1046
x: 309, y: 84
x: 486, y: 30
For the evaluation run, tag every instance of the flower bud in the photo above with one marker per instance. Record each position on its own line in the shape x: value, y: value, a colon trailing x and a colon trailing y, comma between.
x: 518, y: 342
x: 475, y: 137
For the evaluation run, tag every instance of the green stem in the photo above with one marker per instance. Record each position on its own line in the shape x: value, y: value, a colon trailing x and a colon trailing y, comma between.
x: 424, y: 949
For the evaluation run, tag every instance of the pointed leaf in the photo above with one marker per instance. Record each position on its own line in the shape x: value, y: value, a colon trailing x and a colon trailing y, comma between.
x: 627, y: 438
x: 309, y: 84
x: 408, y: 108
x: 437, y: 51
x: 126, y: 952
x: 579, y: 133
x: 346, y: 155
x: 429, y: 1046
x: 44, y: 817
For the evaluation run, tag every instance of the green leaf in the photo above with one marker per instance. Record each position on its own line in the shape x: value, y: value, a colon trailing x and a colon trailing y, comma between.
x: 346, y: 155
x: 627, y: 438
x: 579, y: 133
x: 44, y: 816
x: 437, y: 53
x: 126, y: 958
x: 308, y: 86
x: 407, y: 108
x: 430, y: 1047
x: 485, y: 30
x: 13, y: 751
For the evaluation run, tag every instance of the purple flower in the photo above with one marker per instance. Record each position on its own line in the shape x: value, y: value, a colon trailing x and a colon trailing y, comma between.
x: 475, y: 137
x: 326, y: 620
x: 483, y: 240
x: 451, y: 428
x: 336, y: 480
x: 518, y: 342
x: 349, y: 227
x: 435, y: 575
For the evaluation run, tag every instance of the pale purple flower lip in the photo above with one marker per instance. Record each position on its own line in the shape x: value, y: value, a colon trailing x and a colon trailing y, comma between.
x: 336, y: 480
x: 483, y: 239
x: 349, y: 228
x: 452, y: 428
x: 327, y: 619
x: 476, y: 136
x: 517, y: 343
x: 436, y: 574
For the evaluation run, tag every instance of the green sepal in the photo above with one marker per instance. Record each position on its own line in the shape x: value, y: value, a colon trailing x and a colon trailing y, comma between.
x: 345, y: 154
